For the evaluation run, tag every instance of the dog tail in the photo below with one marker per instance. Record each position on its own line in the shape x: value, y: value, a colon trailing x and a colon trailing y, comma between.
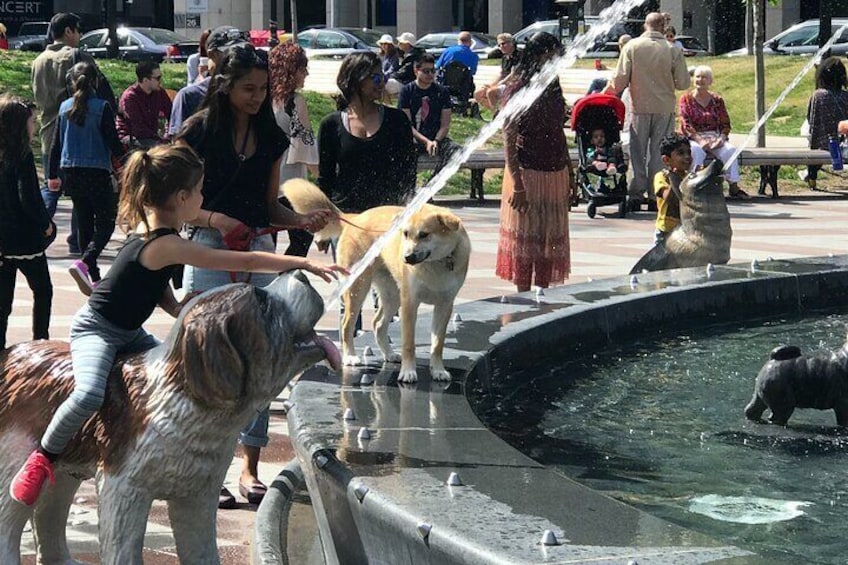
x: 785, y: 352
x: 305, y: 197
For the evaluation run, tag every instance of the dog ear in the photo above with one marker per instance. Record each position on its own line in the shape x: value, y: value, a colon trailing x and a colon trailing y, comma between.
x: 450, y: 221
x: 214, y: 366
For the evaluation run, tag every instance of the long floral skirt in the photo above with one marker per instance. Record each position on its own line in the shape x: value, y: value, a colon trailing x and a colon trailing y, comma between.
x: 534, y: 246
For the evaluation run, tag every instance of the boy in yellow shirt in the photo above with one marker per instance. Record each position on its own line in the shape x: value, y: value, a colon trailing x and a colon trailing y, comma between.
x: 677, y: 157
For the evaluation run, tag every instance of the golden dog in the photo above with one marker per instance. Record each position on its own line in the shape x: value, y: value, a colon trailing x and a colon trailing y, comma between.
x: 424, y: 262
x: 169, y: 422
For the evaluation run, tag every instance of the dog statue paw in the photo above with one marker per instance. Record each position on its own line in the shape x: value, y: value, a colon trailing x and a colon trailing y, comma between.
x: 351, y: 360
x: 791, y: 380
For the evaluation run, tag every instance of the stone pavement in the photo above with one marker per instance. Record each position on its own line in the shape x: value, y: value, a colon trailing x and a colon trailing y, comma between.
x: 602, y: 247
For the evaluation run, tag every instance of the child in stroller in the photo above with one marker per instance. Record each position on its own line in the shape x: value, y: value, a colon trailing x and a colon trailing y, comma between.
x: 597, y: 120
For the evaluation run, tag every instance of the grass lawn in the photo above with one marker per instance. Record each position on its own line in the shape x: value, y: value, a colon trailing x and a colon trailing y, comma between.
x: 734, y: 80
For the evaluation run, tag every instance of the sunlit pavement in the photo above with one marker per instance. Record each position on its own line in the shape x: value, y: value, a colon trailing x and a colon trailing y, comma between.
x: 601, y: 247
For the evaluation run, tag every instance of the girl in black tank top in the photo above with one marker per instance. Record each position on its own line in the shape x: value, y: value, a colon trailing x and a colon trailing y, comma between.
x: 161, y: 193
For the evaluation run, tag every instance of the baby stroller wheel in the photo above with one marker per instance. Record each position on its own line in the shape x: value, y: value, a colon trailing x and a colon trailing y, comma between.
x: 591, y: 209
x: 622, y: 209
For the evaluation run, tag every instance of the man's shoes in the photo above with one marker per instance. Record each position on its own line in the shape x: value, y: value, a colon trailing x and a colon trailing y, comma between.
x: 79, y: 272
x: 254, y: 493
x: 226, y: 499
x: 73, y: 246
x: 27, y: 483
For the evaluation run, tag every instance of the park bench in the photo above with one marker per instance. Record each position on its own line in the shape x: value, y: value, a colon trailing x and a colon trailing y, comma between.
x: 767, y: 159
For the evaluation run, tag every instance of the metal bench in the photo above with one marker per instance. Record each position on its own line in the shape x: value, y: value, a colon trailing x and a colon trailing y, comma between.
x: 767, y: 159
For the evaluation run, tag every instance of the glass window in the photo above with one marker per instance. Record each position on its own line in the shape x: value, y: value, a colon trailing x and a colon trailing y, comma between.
x: 331, y: 40
x: 807, y: 35
x: 305, y: 40
x: 92, y: 40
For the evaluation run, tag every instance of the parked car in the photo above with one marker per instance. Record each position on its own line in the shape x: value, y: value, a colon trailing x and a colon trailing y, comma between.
x: 605, y: 47
x: 483, y: 44
x: 548, y: 26
x: 141, y: 44
x: 32, y: 36
x: 337, y: 42
x: 692, y: 46
x: 801, y: 39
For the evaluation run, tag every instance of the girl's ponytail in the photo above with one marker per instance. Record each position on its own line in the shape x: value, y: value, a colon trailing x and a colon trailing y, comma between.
x: 82, y: 77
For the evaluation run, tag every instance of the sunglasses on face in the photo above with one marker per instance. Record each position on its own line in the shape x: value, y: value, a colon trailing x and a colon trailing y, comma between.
x: 377, y: 78
x: 427, y: 71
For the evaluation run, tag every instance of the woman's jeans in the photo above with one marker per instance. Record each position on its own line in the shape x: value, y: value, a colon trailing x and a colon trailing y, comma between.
x: 38, y: 278
x: 194, y: 279
x: 95, y: 342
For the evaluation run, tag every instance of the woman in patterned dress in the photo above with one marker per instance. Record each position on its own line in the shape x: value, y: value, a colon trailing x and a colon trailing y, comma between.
x: 533, y: 247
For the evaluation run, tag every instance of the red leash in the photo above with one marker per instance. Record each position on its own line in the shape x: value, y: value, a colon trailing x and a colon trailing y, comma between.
x: 241, y: 237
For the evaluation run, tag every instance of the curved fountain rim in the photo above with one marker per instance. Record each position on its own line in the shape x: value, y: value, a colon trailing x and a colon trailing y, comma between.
x: 400, y: 497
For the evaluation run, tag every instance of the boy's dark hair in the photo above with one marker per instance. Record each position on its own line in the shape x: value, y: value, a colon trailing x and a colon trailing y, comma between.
x: 671, y: 142
x: 425, y: 58
x: 144, y: 69
x: 62, y: 21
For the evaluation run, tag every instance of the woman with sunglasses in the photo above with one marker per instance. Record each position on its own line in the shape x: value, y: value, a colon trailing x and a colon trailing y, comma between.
x: 236, y: 135
x: 367, y: 156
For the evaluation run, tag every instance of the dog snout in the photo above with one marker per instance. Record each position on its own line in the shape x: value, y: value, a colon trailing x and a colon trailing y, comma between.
x: 415, y: 257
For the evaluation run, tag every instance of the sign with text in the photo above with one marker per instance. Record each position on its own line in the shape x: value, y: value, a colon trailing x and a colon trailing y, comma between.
x: 15, y: 12
x: 196, y: 6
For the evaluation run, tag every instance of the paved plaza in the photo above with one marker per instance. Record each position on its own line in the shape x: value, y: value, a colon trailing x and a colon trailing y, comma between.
x: 605, y: 246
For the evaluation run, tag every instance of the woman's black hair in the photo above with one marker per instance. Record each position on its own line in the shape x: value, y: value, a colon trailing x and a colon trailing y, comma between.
x: 355, y: 68
x: 831, y: 74
x: 238, y: 62
x: 532, y: 59
x: 14, y: 135
x: 83, y: 80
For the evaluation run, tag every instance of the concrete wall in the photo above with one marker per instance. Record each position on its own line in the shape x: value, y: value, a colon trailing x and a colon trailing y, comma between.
x: 504, y: 16
x: 423, y: 16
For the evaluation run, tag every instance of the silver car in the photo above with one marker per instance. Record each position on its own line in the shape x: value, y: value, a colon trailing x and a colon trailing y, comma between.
x: 336, y: 43
x: 801, y: 39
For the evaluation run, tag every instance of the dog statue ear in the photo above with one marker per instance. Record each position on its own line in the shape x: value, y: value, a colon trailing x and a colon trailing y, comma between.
x: 450, y: 221
x: 214, y: 368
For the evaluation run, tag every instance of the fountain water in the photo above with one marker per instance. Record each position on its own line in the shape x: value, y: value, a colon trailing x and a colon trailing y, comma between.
x: 810, y: 64
x: 516, y: 106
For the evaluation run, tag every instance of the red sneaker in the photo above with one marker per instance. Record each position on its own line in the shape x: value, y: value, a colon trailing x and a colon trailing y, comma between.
x: 27, y: 483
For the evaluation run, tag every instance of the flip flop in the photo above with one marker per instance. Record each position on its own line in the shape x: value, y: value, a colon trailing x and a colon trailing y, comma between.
x: 738, y: 195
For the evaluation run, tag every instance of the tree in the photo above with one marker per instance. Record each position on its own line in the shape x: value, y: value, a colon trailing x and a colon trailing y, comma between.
x: 757, y: 9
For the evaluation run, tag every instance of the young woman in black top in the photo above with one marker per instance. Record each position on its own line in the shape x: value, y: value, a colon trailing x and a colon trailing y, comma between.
x: 367, y: 156
x: 24, y: 222
x: 162, y: 190
x: 236, y: 135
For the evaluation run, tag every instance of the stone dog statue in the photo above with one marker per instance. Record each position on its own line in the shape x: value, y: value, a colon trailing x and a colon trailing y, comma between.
x: 169, y: 422
x: 791, y: 380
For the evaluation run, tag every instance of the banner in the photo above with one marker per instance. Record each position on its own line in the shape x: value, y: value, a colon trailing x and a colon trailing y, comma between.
x: 15, y: 12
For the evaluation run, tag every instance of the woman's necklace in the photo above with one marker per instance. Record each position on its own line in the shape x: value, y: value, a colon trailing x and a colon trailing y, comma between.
x: 242, y: 154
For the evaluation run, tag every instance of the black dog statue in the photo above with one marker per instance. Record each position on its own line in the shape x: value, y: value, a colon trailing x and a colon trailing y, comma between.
x: 791, y: 380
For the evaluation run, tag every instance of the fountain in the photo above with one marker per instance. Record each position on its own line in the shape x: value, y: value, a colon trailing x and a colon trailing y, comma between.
x: 394, y: 494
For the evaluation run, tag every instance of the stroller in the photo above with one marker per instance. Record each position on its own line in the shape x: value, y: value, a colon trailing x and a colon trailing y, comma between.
x: 599, y: 188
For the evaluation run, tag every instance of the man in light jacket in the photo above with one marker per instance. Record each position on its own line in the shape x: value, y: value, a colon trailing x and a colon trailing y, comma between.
x: 652, y: 69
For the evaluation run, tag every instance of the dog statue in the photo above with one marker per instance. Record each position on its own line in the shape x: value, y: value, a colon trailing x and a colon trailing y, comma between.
x: 791, y: 380
x: 169, y: 422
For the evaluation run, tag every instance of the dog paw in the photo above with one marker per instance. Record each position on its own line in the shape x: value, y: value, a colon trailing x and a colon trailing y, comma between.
x: 407, y: 375
x: 352, y: 360
x: 392, y: 357
x: 440, y: 374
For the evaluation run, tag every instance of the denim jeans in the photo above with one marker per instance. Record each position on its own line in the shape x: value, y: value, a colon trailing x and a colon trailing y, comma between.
x: 195, y: 279
x: 51, y: 202
x: 95, y: 208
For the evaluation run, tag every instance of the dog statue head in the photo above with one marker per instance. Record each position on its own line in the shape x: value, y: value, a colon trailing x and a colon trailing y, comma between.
x: 430, y: 235
x: 241, y: 343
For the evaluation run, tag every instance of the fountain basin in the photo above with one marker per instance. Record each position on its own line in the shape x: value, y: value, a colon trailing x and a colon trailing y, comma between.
x: 385, y: 499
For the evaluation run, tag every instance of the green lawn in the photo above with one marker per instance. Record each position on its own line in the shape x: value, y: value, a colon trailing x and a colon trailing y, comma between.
x: 734, y: 80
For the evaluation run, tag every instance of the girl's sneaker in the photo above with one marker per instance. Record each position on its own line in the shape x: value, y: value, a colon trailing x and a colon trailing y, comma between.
x: 27, y: 483
x: 79, y: 272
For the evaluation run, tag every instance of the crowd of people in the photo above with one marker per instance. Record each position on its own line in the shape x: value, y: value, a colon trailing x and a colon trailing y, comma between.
x: 213, y: 160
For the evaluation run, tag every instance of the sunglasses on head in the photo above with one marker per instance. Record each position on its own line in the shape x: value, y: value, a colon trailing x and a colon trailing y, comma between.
x: 377, y: 78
